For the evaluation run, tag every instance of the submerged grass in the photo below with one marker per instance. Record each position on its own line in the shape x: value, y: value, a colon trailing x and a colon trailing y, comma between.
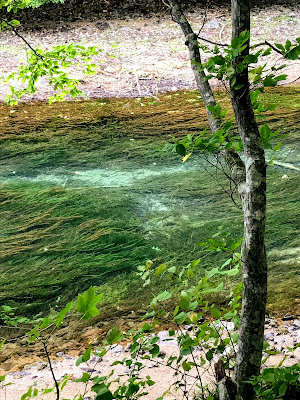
x: 55, y: 241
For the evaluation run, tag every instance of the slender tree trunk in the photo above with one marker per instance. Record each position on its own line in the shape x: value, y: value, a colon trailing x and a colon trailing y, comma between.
x: 253, y: 194
x: 252, y: 189
x: 232, y: 158
x: 192, y: 44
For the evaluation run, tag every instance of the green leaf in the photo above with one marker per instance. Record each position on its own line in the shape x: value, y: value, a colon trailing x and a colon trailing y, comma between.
x: 219, y: 60
x: 277, y: 147
x: 186, y: 366
x: 160, y: 269
x: 293, y: 54
x: 209, y: 355
x: 163, y: 296
x: 2, y: 378
x: 282, y: 389
x: 180, y: 149
x: 2, y: 343
x: 114, y: 335
x: 216, y: 314
x: 268, y: 81
x: 62, y: 314
x: 85, y: 377
x: 180, y: 318
x: 87, y: 303
x: 103, y: 393
x: 184, y: 303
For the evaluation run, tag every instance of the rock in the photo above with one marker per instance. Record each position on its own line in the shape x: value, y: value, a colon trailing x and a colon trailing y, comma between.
x: 128, y: 348
x: 297, y: 353
x: 102, y: 25
x: 274, y: 323
x: 162, y: 354
x: 117, y: 349
x: 297, y: 323
x: 287, y: 317
x: 96, y: 359
x: 42, y: 366
x: 188, y: 327
x: 166, y: 339
x: 89, y: 370
x: 269, y: 336
x: 153, y: 365
x: 227, y: 326
x: 213, y: 24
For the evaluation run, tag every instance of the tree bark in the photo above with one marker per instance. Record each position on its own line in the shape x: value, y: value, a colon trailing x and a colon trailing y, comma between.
x: 253, y: 194
x: 195, y: 57
x: 231, y: 157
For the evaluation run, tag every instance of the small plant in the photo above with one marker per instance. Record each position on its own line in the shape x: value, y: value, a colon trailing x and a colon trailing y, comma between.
x: 278, y: 383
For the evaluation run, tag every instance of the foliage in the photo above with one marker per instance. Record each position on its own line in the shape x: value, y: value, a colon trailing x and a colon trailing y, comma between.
x: 8, y: 317
x: 278, y: 383
x: 15, y: 5
x: 53, y: 63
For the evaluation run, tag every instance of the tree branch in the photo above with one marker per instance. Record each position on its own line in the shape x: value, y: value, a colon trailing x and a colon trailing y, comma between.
x: 212, y: 42
x: 51, y: 369
x: 22, y: 38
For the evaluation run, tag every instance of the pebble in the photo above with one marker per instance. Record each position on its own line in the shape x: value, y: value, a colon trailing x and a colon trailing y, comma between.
x: 269, y: 336
x: 287, y: 317
x: 297, y: 323
x: 213, y: 24
x: 117, y: 349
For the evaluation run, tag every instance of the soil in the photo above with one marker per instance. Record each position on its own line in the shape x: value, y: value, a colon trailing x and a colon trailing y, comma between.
x: 144, y: 56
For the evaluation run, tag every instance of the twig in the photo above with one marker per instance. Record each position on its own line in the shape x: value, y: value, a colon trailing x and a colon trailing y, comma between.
x: 211, y: 41
x: 268, y: 44
x: 22, y: 38
x: 204, y: 19
x: 51, y: 369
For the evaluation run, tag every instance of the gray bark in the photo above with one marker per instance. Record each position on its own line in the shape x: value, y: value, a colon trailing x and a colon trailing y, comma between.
x: 252, y: 190
x: 232, y: 158
x: 253, y: 194
x: 192, y: 44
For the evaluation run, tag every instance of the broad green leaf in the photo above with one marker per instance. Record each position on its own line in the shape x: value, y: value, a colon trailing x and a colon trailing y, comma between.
x: 180, y: 149
x: 86, y: 304
x: 114, y: 335
x: 62, y: 314
x: 102, y: 391
x: 160, y: 269
x: 216, y: 314
x: 209, y: 355
x: 180, y: 318
x: 186, y: 366
x: 85, y: 377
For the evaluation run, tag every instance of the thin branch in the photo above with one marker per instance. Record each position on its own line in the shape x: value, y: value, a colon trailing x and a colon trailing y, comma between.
x: 288, y: 83
x: 51, y: 369
x: 268, y: 44
x: 211, y: 41
x: 205, y: 18
x: 22, y: 38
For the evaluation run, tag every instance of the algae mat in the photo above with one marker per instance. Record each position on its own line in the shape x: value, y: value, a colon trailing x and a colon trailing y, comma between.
x: 86, y: 198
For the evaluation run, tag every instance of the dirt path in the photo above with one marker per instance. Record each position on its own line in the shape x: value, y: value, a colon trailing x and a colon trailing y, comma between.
x: 149, y: 55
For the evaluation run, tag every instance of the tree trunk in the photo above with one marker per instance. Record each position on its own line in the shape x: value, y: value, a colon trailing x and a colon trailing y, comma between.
x: 252, y: 190
x: 253, y: 194
x: 192, y: 44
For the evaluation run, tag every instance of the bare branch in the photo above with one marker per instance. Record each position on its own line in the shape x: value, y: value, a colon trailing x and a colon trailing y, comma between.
x: 212, y: 42
x: 51, y: 369
x: 22, y: 38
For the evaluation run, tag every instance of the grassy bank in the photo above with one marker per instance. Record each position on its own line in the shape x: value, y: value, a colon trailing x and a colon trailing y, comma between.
x: 63, y: 229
